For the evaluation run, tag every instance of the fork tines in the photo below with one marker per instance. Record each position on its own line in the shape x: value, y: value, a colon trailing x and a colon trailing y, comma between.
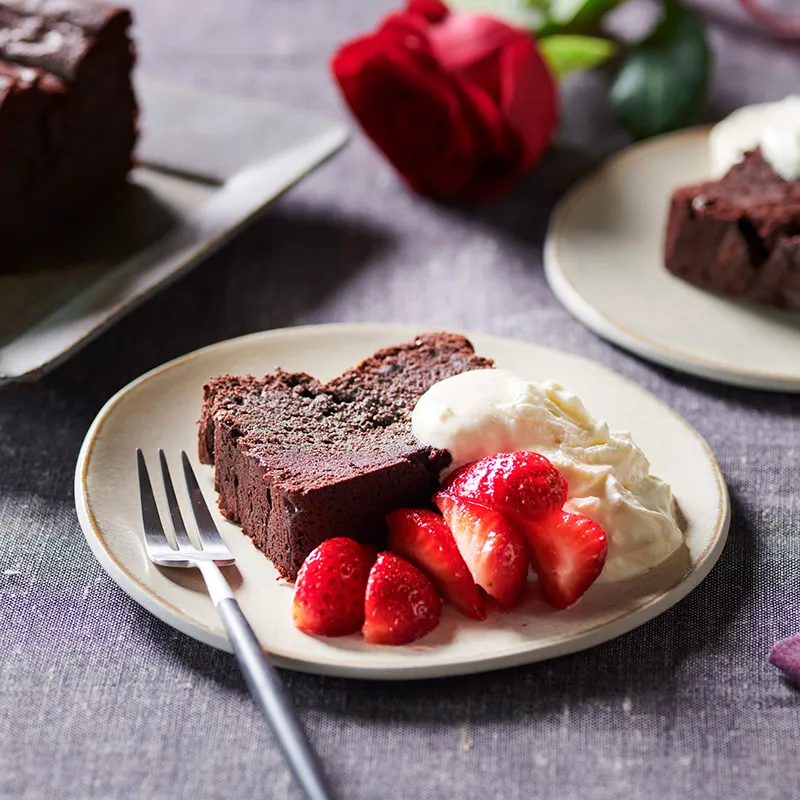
x: 212, y: 547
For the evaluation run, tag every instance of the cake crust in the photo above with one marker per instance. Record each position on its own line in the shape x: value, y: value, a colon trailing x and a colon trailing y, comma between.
x: 297, y: 461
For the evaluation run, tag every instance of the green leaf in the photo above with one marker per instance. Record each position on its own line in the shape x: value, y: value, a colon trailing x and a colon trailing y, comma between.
x: 579, y: 12
x: 565, y: 53
x: 515, y: 12
x: 662, y: 83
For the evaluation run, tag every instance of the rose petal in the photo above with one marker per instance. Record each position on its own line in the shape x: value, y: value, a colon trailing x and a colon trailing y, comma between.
x: 461, y: 40
x: 498, y: 153
x: 504, y: 62
x: 347, y: 60
x: 443, y: 170
x: 528, y: 97
x: 411, y: 110
x: 401, y: 26
x: 785, y: 655
x: 488, y: 118
x: 431, y: 10
x: 485, y: 74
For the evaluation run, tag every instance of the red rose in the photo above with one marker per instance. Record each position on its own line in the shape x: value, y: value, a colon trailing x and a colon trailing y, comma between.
x: 461, y: 104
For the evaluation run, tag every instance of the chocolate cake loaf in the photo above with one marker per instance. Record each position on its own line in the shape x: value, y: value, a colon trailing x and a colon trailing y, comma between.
x: 740, y: 235
x: 297, y: 462
x: 67, y: 112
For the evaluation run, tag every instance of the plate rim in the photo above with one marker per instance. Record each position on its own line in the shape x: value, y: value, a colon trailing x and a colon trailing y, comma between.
x: 586, y: 313
x: 171, y: 615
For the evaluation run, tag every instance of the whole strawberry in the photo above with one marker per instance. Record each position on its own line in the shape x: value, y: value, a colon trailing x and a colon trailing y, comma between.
x: 329, y: 593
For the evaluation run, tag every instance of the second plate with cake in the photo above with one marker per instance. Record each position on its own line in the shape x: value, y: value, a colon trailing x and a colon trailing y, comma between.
x: 604, y: 259
x: 108, y: 508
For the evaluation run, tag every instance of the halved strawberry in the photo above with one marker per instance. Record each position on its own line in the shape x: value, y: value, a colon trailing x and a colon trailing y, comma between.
x: 567, y: 554
x: 493, y: 551
x: 424, y: 539
x: 329, y: 593
x: 401, y: 604
x: 523, y: 483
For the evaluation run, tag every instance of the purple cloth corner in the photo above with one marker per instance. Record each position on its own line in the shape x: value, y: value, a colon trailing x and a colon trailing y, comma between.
x: 785, y: 655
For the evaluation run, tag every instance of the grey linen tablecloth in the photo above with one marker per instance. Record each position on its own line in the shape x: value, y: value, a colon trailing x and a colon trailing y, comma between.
x: 98, y: 699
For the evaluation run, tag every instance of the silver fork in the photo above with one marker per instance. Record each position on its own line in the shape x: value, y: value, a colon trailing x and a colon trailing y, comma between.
x: 262, y: 679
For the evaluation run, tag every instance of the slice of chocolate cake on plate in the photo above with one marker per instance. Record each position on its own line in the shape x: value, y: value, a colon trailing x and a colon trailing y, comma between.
x: 740, y: 235
x: 68, y: 114
x: 297, y: 461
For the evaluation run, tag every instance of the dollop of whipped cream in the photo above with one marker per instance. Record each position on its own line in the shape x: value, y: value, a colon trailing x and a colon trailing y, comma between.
x: 774, y: 127
x: 483, y: 412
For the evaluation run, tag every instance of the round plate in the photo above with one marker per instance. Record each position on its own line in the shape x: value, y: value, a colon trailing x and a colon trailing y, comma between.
x: 160, y: 408
x: 603, y: 260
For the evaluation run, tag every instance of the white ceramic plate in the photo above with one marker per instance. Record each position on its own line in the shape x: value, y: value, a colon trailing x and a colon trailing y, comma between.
x: 603, y: 260
x: 160, y: 409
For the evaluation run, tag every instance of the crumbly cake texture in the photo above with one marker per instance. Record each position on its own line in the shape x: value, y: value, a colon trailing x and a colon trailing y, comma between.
x: 68, y: 113
x: 740, y: 235
x: 297, y: 462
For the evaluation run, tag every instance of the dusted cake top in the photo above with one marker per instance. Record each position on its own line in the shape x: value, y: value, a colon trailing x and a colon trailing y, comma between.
x: 359, y: 421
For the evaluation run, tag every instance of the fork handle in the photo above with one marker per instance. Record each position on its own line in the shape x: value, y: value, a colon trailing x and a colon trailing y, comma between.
x: 267, y: 687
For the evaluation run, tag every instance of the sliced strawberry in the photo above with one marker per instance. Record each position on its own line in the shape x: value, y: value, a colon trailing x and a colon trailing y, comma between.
x: 401, y: 604
x: 567, y: 554
x: 493, y: 551
x: 329, y: 593
x: 424, y: 539
x: 523, y: 483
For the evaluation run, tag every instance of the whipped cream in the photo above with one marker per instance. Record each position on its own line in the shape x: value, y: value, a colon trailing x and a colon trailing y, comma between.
x: 483, y: 412
x: 774, y: 127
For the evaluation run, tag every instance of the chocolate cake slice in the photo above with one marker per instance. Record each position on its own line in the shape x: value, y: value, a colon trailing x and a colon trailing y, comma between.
x: 740, y: 235
x: 297, y: 462
x: 68, y: 113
